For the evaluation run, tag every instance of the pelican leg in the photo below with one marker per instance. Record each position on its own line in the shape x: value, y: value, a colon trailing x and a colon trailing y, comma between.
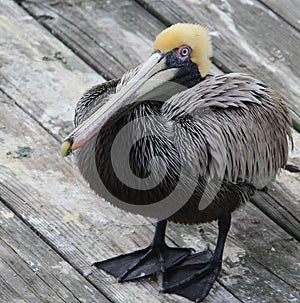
x: 141, y: 263
x: 195, y: 275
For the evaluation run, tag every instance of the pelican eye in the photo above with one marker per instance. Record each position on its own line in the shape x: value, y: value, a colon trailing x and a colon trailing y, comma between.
x: 184, y: 51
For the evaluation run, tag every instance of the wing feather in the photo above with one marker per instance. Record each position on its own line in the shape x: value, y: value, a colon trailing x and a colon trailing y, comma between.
x: 97, y: 95
x: 92, y: 99
x: 242, y: 128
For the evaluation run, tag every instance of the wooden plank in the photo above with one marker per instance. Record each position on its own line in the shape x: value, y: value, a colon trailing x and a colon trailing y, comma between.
x: 8, y: 294
x: 277, y: 204
x: 48, y: 72
x: 288, y: 10
x: 33, y: 272
x: 66, y: 21
x: 246, y: 37
x: 103, y: 33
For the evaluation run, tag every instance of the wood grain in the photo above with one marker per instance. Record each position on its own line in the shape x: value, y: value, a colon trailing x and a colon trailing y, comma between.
x: 111, y: 36
x: 43, y: 76
x: 289, y: 10
x: 34, y: 271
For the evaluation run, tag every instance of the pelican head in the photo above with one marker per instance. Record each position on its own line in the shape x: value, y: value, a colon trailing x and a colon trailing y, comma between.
x: 180, y: 54
x: 184, y: 40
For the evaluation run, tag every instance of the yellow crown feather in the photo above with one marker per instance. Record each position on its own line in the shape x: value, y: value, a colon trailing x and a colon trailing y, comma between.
x: 194, y: 35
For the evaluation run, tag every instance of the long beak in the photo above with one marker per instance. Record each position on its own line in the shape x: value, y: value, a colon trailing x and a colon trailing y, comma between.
x: 137, y: 90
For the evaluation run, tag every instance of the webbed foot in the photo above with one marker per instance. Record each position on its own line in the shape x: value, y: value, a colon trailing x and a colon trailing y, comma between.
x: 194, y: 277
x: 144, y: 262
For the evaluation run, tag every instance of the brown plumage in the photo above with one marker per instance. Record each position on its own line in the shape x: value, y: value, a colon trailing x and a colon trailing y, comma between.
x: 216, y: 137
x: 251, y: 123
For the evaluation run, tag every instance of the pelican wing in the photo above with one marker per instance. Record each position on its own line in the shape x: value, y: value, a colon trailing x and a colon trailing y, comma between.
x: 97, y: 95
x: 92, y: 99
x: 233, y: 127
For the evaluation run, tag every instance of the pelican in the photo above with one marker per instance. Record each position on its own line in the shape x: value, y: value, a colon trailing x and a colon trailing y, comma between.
x: 169, y: 140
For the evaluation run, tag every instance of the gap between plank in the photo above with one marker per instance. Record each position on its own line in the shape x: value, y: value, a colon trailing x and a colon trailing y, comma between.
x: 47, y: 242
x: 277, y: 14
x: 90, y: 64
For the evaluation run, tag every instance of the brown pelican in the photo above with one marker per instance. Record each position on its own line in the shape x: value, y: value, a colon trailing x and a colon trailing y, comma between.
x: 171, y: 141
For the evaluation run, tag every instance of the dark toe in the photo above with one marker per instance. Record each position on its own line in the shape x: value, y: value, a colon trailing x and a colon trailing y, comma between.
x: 144, y: 262
x: 192, y: 278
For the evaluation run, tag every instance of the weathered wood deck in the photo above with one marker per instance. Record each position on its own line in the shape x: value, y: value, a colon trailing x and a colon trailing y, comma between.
x: 52, y: 227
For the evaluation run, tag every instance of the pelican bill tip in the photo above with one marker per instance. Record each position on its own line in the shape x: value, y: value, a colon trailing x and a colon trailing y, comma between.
x: 66, y: 148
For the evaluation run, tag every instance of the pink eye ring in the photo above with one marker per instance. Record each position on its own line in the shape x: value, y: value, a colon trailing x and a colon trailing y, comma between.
x: 184, y: 51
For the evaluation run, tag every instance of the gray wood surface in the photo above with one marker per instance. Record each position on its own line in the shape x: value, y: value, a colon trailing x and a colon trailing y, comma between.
x: 101, y: 32
x: 46, y: 200
x: 289, y: 10
x: 34, y: 271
